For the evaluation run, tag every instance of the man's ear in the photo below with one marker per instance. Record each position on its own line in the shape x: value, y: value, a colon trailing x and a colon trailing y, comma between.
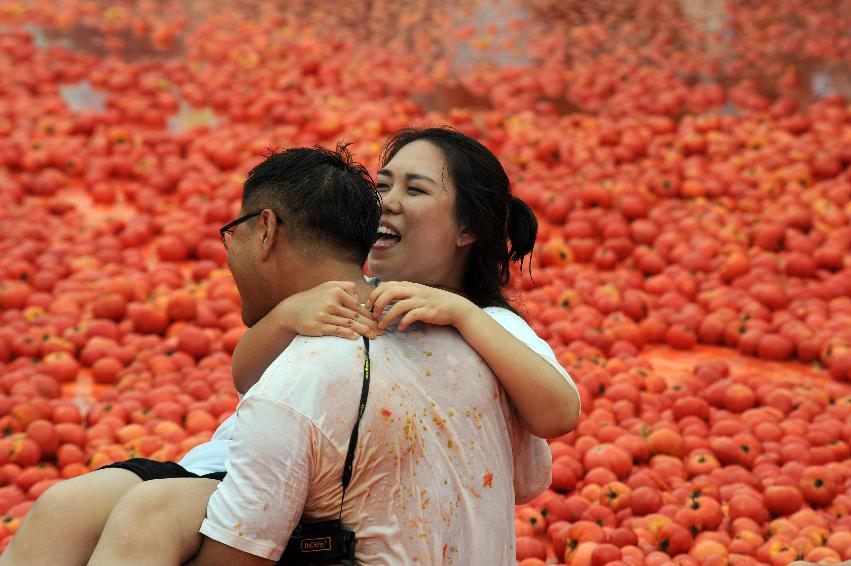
x: 465, y: 238
x: 269, y: 233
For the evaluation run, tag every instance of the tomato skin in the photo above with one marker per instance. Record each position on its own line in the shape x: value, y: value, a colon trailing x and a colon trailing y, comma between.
x: 818, y: 486
x: 609, y: 456
x: 671, y: 232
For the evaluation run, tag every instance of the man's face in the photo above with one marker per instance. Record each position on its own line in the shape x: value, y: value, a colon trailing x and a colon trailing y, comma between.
x: 244, y: 261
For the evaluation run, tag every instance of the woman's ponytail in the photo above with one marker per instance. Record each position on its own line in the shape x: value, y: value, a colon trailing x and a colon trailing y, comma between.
x: 522, y: 229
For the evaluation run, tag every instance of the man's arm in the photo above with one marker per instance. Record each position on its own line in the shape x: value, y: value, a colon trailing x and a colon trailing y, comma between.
x: 259, y: 503
x: 214, y: 553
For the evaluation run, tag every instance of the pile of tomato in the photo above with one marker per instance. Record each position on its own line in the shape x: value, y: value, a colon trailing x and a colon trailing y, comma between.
x: 689, y: 168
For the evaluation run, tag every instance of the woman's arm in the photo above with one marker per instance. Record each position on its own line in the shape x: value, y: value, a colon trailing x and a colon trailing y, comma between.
x: 544, y: 398
x: 258, y: 348
x: 330, y: 309
x: 546, y: 401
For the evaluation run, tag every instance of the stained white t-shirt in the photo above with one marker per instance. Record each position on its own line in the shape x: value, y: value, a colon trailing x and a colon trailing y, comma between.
x: 211, y: 456
x: 441, y: 456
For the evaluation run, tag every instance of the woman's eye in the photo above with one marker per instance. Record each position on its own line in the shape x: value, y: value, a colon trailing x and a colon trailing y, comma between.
x: 414, y: 190
x: 381, y: 186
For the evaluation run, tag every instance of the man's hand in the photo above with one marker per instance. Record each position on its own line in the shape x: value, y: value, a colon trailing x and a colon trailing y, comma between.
x: 416, y: 302
x: 329, y: 309
x: 214, y: 553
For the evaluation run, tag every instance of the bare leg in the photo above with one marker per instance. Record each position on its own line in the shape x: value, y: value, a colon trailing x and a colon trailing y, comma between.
x: 214, y: 553
x: 155, y: 524
x: 63, y: 526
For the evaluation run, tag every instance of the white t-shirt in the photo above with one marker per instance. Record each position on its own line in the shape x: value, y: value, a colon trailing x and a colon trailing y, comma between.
x: 441, y: 456
x: 211, y: 456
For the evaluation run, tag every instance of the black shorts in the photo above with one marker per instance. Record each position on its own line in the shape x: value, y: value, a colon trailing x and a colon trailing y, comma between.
x: 153, y: 470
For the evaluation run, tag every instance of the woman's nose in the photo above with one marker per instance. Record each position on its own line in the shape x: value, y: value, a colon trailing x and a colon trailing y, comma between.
x: 390, y: 201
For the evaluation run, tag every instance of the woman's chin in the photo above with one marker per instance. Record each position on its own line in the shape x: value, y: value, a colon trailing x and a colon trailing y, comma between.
x: 379, y: 263
x: 379, y: 273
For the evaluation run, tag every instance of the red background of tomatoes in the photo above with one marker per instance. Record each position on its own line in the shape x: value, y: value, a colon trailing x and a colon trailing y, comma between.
x: 688, y: 164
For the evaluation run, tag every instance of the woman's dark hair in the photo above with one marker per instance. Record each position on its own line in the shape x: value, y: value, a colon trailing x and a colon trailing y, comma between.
x: 504, y: 226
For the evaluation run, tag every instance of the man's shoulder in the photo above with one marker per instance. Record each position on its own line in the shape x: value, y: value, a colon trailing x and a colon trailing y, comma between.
x: 317, y: 378
x: 321, y: 346
x: 306, y: 363
x: 324, y: 356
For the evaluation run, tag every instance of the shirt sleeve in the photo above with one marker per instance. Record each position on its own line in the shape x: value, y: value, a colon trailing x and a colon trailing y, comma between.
x: 532, y: 459
x: 260, y: 501
x: 532, y: 456
x: 523, y: 332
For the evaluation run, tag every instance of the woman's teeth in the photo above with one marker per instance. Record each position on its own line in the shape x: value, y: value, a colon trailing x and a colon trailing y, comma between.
x: 385, y: 233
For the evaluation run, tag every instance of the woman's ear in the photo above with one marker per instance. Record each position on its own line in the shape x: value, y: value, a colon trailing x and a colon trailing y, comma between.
x: 465, y: 238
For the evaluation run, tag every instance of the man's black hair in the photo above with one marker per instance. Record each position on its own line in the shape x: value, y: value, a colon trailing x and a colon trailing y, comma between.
x: 324, y: 198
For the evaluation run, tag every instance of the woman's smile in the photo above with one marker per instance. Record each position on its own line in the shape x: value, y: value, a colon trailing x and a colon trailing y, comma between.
x: 388, y: 236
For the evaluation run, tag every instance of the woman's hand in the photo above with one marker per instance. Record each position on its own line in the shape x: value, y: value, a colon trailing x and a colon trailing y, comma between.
x: 416, y: 302
x: 329, y: 309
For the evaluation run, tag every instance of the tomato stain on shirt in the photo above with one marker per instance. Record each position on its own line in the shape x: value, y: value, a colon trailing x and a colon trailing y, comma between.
x: 441, y: 423
x: 488, y: 480
x: 417, y: 436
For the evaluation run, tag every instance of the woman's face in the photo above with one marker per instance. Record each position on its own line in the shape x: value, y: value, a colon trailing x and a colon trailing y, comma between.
x: 419, y: 239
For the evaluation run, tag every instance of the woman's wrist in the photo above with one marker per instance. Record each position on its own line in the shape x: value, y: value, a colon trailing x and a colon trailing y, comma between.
x: 282, y: 318
x: 467, y: 315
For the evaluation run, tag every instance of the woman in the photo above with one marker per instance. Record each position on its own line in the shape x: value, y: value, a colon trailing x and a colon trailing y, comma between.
x: 447, y: 217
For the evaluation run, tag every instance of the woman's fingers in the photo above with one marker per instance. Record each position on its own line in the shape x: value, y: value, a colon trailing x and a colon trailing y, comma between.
x: 344, y: 297
x: 355, y: 327
x: 355, y: 315
x: 414, y: 315
x: 339, y: 331
x: 378, y: 298
x: 348, y: 287
x: 382, y: 288
x: 392, y: 292
x: 397, y: 310
x: 348, y: 297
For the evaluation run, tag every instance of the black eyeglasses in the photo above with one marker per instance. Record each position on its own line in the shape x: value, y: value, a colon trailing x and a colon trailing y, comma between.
x: 226, y: 231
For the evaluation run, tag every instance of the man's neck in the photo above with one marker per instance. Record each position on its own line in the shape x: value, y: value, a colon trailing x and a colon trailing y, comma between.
x: 332, y: 271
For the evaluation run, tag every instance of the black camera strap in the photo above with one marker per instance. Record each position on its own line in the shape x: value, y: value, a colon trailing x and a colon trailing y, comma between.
x: 353, y: 439
x: 328, y: 542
